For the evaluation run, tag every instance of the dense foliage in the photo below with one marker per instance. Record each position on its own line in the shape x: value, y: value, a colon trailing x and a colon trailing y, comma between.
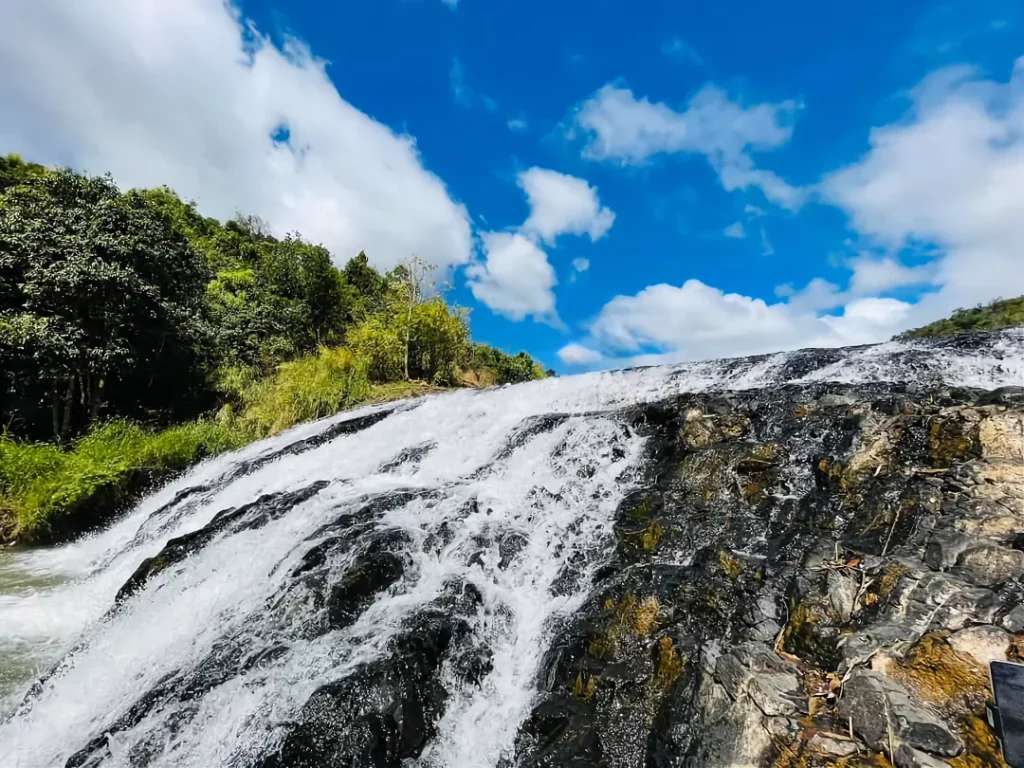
x: 1003, y: 313
x: 120, y: 309
x: 133, y: 304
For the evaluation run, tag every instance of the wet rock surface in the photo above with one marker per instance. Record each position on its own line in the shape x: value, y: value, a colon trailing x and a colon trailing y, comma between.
x: 812, y: 576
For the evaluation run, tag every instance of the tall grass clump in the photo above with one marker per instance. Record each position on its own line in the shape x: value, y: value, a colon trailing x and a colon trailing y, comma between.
x: 46, y: 491
x: 310, y: 387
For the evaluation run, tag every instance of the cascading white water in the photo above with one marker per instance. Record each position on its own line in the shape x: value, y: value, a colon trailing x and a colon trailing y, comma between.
x: 475, y: 476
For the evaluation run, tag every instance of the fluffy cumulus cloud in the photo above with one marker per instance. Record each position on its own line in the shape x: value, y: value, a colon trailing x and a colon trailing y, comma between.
x: 515, y: 278
x: 696, y: 321
x: 188, y: 94
x: 562, y: 204
x: 948, y: 177
x: 623, y: 128
x: 577, y: 354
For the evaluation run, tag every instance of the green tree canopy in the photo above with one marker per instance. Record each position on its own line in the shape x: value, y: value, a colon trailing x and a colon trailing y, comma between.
x: 101, y: 299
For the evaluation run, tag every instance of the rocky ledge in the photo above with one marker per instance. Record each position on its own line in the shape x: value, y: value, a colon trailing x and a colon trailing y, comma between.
x: 810, y: 576
x: 802, y: 575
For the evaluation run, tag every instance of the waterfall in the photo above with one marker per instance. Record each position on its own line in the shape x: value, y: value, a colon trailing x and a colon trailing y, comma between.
x: 201, y: 627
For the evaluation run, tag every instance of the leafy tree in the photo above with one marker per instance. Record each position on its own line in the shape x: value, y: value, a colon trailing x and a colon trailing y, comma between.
x: 505, y: 368
x: 368, y: 288
x: 104, y: 299
x: 14, y: 170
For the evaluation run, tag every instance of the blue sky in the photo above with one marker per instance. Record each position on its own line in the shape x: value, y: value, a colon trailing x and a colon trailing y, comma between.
x: 602, y: 183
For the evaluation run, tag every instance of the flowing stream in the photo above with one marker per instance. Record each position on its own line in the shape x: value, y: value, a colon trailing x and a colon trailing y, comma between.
x: 508, y: 494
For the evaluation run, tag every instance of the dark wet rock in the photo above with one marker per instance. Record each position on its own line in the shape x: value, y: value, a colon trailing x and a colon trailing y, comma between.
x: 371, y: 572
x: 382, y: 714
x: 246, y: 517
x: 884, y: 714
x: 798, y: 550
x: 407, y: 457
x: 386, y: 711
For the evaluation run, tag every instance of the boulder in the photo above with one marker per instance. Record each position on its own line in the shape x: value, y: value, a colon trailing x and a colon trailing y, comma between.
x: 879, y: 707
x: 989, y: 564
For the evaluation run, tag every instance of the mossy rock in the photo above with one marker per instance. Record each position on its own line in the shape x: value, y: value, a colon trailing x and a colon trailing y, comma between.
x: 952, y: 439
x: 811, y: 635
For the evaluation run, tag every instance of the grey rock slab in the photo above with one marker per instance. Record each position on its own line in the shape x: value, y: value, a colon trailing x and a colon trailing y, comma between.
x: 989, y: 564
x: 943, y: 549
x: 832, y: 745
x: 908, y: 757
x: 842, y: 594
x: 1014, y: 620
x: 877, y: 704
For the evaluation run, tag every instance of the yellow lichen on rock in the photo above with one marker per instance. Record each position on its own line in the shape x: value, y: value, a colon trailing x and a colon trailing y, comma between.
x: 631, y: 618
x: 1001, y: 436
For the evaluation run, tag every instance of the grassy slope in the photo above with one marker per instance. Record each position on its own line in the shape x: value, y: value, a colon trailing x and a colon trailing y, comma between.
x: 47, y: 493
x: 1004, y: 313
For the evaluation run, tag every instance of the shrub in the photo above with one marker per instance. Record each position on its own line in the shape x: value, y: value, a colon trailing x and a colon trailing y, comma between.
x: 437, y: 342
x: 311, y: 387
x: 379, y: 341
x: 492, y: 364
x: 1002, y: 313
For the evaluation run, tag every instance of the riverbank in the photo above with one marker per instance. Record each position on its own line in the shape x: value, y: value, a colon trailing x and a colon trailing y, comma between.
x: 49, y: 494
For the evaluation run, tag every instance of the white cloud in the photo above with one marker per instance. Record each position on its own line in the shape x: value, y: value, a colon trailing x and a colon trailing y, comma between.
x: 735, y: 231
x: 518, y: 124
x: 562, y: 204
x: 515, y: 278
x: 950, y: 175
x: 622, y: 127
x: 578, y: 355
x: 453, y: 4
x: 187, y: 94
x: 697, y: 321
x: 873, y: 275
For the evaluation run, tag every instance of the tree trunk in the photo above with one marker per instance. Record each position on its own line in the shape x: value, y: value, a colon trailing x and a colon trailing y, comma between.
x: 95, y: 400
x: 55, y: 399
x: 69, y: 404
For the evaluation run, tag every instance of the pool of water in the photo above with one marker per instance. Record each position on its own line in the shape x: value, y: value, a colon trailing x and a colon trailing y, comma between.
x: 25, y: 651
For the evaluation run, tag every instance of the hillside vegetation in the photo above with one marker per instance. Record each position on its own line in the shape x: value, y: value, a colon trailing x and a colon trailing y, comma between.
x: 1002, y: 313
x: 138, y: 336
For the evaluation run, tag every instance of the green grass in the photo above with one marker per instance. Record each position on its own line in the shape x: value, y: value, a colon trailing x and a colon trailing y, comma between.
x: 47, y: 492
x: 1004, y: 313
x: 310, y: 387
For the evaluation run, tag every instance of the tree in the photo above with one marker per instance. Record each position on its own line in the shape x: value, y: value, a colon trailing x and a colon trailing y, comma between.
x: 14, y: 170
x: 408, y: 279
x: 368, y: 288
x: 104, y: 295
